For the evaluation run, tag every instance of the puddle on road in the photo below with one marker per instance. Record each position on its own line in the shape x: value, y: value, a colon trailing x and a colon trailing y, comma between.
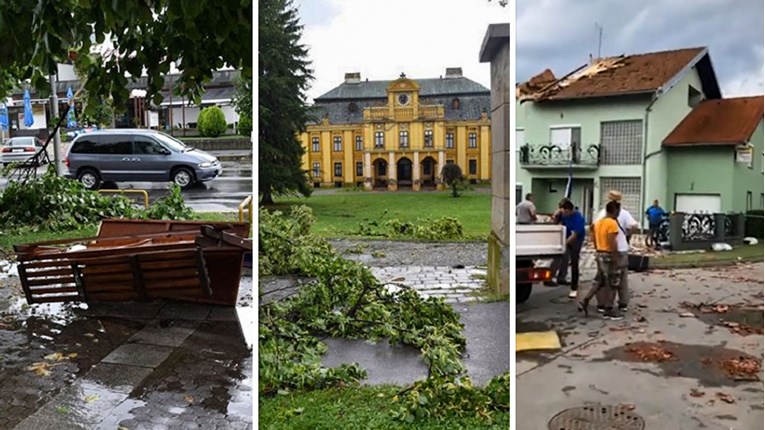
x: 740, y: 320
x: 700, y: 362
x: 209, y: 377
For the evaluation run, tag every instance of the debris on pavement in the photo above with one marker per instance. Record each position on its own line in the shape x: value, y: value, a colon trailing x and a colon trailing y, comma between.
x: 742, y: 368
x: 740, y: 328
x: 727, y: 398
x: 695, y: 392
x: 649, y: 352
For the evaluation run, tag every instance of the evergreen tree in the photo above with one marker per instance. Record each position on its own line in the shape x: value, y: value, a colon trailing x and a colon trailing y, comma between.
x: 282, y: 110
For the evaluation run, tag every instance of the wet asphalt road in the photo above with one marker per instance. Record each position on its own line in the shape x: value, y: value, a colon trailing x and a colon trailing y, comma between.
x: 689, y: 391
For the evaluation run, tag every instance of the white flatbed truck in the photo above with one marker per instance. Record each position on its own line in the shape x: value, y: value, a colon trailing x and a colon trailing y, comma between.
x: 535, y: 243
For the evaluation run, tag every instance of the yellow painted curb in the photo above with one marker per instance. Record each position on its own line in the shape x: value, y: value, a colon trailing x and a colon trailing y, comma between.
x: 536, y: 340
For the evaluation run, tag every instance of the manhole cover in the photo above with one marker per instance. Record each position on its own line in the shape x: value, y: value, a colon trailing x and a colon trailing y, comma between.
x: 597, y: 417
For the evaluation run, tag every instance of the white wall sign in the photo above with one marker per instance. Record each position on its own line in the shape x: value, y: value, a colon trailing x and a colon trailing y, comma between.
x: 744, y: 155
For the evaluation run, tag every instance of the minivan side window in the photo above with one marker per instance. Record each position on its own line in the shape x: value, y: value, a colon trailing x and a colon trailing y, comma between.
x: 119, y: 145
x: 146, y: 146
x: 115, y: 145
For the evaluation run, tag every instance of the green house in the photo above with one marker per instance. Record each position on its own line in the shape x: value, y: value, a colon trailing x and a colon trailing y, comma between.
x: 653, y: 126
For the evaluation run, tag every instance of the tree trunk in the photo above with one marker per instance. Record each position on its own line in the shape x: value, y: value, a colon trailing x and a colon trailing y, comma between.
x: 267, y: 199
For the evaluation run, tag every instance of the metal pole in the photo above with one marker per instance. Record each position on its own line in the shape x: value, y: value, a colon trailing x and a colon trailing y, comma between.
x: 56, y: 137
x: 170, y: 108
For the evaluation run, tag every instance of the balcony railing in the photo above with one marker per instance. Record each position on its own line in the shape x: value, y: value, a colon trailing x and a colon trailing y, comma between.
x: 403, y: 113
x: 560, y: 156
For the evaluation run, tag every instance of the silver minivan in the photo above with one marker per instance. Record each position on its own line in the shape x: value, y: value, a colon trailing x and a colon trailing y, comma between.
x: 141, y: 155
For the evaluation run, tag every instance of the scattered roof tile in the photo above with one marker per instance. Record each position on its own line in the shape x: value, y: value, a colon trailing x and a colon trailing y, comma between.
x: 718, y: 122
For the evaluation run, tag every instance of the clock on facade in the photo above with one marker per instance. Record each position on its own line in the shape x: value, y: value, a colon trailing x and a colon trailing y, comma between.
x: 403, y: 99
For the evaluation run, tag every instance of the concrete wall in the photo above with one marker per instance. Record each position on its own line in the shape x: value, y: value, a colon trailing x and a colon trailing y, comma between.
x: 690, y: 173
x: 496, y: 49
x: 747, y: 179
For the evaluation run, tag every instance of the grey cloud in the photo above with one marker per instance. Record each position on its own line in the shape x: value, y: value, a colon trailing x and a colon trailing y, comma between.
x: 560, y: 34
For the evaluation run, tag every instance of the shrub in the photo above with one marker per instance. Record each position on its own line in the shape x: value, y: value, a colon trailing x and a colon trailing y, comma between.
x: 245, y: 126
x: 211, y: 122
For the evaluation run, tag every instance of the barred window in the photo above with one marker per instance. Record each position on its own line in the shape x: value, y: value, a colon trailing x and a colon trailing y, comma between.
x: 449, y: 140
x: 621, y: 142
x: 428, y: 138
x: 472, y: 140
x: 316, y: 171
x: 338, y: 169
x: 403, y: 139
x: 359, y: 143
x: 338, y: 144
x: 379, y: 139
x: 630, y: 189
x: 359, y: 169
x: 315, y: 144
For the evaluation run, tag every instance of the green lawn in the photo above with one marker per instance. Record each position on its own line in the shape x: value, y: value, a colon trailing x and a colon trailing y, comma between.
x: 367, y: 408
x: 709, y: 258
x: 339, y: 213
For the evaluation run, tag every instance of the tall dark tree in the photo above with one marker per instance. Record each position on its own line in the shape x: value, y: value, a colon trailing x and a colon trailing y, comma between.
x: 283, y: 79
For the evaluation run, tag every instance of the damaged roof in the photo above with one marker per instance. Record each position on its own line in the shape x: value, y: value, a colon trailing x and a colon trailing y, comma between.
x: 718, y: 122
x: 621, y: 75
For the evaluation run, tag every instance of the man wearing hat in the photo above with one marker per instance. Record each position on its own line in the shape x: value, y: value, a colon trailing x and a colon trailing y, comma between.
x: 627, y: 226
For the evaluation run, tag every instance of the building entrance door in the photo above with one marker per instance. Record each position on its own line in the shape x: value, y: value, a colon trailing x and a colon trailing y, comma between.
x: 404, y: 172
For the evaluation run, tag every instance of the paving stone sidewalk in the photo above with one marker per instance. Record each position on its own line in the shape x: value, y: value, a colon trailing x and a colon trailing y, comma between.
x: 455, y: 285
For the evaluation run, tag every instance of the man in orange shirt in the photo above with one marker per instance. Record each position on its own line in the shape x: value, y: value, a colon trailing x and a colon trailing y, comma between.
x: 604, y: 234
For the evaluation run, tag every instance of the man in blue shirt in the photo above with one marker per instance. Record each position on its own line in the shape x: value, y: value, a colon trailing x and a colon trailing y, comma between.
x: 655, y: 215
x: 575, y: 226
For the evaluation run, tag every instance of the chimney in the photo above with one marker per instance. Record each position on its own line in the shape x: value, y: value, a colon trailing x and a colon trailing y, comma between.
x: 353, y: 78
x: 453, y: 72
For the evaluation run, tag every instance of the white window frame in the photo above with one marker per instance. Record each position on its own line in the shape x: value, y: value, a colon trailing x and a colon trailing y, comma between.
x: 520, y: 142
x: 315, y: 144
x: 337, y: 143
x: 473, y: 140
x: 568, y: 127
x: 316, y: 169
x: 449, y: 143
x: 359, y: 143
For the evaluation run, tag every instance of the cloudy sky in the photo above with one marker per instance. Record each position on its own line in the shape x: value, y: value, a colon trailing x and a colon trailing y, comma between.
x: 560, y: 35
x: 382, y: 38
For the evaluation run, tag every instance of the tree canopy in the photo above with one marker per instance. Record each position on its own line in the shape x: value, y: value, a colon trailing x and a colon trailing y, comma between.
x: 453, y: 177
x: 283, y: 78
x: 146, y: 36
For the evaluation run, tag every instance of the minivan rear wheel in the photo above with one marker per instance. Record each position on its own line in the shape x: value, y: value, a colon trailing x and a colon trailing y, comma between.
x: 89, y: 178
x: 183, y: 177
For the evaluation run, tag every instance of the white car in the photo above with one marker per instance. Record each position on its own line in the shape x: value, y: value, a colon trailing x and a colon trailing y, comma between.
x: 19, y: 149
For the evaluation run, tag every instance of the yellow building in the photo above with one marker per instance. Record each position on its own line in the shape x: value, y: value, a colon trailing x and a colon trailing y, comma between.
x: 398, y: 134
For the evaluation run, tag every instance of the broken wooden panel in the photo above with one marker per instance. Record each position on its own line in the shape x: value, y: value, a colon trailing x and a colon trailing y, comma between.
x: 115, y: 227
x: 193, y: 261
